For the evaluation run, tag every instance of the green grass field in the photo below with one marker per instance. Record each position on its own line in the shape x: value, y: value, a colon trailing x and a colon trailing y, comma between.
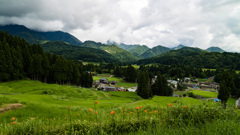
x: 205, y: 94
x: 55, y: 109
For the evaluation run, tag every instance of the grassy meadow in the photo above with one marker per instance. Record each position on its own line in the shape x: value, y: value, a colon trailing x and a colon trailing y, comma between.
x: 55, y: 109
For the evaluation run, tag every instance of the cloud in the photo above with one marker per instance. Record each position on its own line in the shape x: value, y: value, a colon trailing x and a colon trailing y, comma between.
x: 196, y: 23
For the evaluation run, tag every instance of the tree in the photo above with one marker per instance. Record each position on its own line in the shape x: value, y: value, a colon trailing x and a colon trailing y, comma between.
x: 144, y: 90
x: 161, y: 87
x: 226, y: 86
x: 131, y: 74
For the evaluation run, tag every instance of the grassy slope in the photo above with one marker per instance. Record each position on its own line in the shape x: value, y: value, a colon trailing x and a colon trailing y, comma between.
x: 52, y: 106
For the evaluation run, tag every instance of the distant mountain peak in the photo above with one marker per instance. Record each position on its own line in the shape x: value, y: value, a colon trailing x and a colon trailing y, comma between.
x: 178, y: 47
x: 215, y: 49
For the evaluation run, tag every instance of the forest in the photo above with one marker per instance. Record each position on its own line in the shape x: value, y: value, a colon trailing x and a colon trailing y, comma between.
x: 20, y: 60
x: 197, y: 58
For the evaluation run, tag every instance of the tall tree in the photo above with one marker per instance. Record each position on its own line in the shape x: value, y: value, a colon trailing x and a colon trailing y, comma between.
x: 226, y: 86
x: 161, y: 87
x: 131, y: 74
x: 143, y: 89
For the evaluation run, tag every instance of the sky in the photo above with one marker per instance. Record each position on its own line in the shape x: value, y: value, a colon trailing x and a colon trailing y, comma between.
x: 194, y: 23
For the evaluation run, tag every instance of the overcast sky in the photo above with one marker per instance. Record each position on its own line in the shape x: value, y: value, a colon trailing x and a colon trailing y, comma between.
x: 195, y: 23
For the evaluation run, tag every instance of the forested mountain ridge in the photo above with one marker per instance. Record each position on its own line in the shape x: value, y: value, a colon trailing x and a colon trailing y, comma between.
x: 155, y: 51
x: 196, y: 57
x: 20, y: 60
x: 119, y: 53
x: 78, y: 52
x: 36, y: 37
x: 136, y: 50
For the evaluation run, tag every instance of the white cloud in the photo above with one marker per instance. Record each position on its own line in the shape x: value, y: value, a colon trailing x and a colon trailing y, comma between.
x: 197, y: 23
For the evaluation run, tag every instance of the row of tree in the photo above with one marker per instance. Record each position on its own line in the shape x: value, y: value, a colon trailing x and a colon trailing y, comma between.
x: 19, y: 60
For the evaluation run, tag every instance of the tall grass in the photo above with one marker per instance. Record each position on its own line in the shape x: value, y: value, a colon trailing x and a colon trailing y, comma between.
x: 124, y: 120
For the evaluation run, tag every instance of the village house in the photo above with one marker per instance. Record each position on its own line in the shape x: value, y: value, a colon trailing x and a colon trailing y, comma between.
x: 173, y: 82
x: 187, y: 79
x: 121, y: 89
x: 132, y: 89
x: 107, y: 88
x: 113, y: 82
x: 104, y: 80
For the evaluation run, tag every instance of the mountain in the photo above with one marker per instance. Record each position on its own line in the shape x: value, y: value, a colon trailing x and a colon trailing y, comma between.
x: 215, y: 49
x: 78, y: 53
x: 119, y: 53
x: 155, y: 51
x: 178, y: 47
x: 36, y: 37
x: 136, y: 50
x: 196, y: 57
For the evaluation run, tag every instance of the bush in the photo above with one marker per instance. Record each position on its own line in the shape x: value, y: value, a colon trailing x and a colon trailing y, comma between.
x: 190, y: 94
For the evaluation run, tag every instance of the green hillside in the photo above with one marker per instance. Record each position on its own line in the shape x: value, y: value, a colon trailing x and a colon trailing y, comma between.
x: 136, y: 50
x: 119, y: 53
x: 197, y: 58
x: 40, y: 108
x: 155, y: 51
x: 215, y: 49
x: 78, y: 53
x: 36, y: 37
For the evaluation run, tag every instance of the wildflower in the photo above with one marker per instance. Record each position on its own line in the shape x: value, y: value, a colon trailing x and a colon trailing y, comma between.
x: 137, y: 108
x: 97, y: 102
x: 112, y: 112
x: 96, y: 112
x: 12, y: 118
x: 145, y: 110
x: 131, y: 112
x: 150, y: 112
x: 140, y: 106
x: 185, y: 107
x: 14, y: 122
x: 170, y: 104
x: 90, y: 110
x: 32, y: 118
x: 155, y: 111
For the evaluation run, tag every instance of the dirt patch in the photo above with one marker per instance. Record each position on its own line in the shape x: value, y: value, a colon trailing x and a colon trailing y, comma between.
x: 10, y: 107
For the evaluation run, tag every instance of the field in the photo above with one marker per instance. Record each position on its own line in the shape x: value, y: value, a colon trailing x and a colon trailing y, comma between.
x: 55, y: 109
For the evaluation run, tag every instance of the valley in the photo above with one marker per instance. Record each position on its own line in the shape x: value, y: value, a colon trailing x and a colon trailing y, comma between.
x: 52, y: 83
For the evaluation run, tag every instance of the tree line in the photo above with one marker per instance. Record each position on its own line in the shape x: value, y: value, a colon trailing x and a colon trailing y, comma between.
x: 20, y: 60
x: 197, y: 58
